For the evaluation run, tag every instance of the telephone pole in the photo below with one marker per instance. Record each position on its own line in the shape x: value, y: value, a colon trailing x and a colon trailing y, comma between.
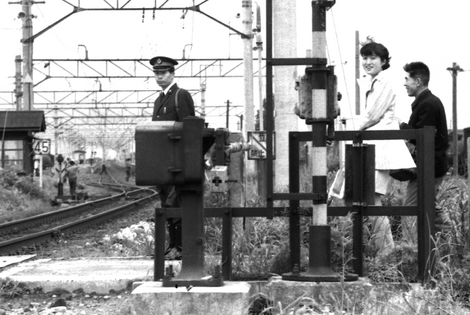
x: 27, y: 56
x: 27, y: 26
x: 18, y: 86
x: 247, y: 16
x: 227, y: 115
x: 455, y: 69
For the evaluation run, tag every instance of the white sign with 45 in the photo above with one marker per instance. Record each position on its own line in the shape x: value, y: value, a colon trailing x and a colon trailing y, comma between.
x: 42, y: 146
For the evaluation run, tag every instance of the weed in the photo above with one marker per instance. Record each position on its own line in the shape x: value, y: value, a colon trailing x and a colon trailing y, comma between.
x: 261, y: 249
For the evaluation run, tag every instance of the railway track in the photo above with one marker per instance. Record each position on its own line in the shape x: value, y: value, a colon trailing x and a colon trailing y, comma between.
x: 130, y: 198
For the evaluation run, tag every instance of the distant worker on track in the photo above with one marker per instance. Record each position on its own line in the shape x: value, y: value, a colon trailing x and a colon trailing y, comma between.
x: 72, y: 175
x: 128, y: 169
x: 104, y: 170
x: 173, y: 104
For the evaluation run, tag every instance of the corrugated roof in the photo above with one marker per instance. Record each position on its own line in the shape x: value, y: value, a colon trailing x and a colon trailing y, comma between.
x: 23, y: 121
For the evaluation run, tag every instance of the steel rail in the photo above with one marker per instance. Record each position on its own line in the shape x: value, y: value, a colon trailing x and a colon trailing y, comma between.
x: 14, y: 245
x: 21, y: 224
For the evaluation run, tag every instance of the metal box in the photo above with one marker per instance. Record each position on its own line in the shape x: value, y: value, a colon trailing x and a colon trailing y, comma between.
x: 169, y: 153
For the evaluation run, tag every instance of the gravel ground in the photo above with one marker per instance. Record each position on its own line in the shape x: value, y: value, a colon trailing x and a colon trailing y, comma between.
x: 15, y: 298
x: 67, y: 303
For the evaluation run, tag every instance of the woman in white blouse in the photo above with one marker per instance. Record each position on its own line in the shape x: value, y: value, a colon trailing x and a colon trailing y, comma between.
x: 379, y: 114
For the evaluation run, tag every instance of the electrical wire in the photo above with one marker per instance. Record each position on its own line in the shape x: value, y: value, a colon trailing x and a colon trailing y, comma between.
x: 342, y: 64
x: 52, y: 29
x: 184, y: 68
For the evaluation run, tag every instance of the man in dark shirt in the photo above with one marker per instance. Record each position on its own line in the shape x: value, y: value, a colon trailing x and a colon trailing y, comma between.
x: 173, y: 104
x: 128, y: 169
x: 103, y: 170
x: 72, y: 175
x: 427, y: 110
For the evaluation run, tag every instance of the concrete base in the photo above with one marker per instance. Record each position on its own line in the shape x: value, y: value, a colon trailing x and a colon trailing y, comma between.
x: 346, y: 294
x: 230, y: 299
x: 98, y: 275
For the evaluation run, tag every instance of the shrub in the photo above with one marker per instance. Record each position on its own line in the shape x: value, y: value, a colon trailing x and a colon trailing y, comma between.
x: 8, y: 178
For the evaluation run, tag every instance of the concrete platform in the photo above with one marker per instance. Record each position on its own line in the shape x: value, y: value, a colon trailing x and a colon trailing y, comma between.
x: 230, y: 299
x: 98, y: 275
x: 6, y: 261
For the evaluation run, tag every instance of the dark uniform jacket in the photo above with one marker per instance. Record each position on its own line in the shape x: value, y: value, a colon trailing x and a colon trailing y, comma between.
x: 165, y: 106
x: 165, y: 109
x: 427, y: 110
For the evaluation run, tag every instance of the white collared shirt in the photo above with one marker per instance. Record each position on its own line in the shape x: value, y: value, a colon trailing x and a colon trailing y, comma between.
x: 165, y: 91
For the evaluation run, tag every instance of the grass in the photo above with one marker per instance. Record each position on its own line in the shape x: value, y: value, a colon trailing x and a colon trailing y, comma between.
x: 447, y: 292
x: 21, y: 197
x: 261, y: 249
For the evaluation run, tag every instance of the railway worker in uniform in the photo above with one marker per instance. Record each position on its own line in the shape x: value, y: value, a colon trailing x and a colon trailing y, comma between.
x: 173, y: 104
x: 427, y: 110
x: 72, y: 175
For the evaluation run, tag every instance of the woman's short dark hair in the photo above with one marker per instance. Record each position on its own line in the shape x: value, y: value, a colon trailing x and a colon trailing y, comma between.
x: 373, y: 48
x: 418, y: 69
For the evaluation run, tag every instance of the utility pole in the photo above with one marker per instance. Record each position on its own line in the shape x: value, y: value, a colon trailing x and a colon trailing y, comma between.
x: 203, y: 99
x: 27, y: 56
x: 247, y: 21
x: 203, y: 85
x: 56, y: 130
x: 27, y: 26
x: 27, y: 19
x: 18, y: 86
x: 261, y: 169
x: 259, y: 48
x: 227, y: 115
x: 284, y: 26
x: 455, y: 69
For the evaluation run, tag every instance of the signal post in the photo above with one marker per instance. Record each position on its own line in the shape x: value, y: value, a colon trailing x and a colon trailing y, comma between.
x: 318, y: 106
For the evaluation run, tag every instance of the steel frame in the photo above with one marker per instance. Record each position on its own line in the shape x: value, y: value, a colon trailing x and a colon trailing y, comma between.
x: 127, y: 68
x: 424, y: 211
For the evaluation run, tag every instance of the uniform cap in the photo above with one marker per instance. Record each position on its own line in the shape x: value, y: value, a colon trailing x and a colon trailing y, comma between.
x: 162, y: 63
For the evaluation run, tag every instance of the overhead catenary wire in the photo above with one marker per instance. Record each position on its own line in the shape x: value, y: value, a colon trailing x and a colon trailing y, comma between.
x: 143, y: 45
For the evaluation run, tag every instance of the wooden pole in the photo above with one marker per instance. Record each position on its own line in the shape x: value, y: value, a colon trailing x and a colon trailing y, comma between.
x: 227, y: 115
x: 454, y: 69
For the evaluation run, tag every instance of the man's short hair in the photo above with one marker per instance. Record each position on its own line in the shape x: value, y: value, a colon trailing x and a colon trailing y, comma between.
x: 418, y: 69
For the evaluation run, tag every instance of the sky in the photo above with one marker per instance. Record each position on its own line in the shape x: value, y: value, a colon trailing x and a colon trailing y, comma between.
x: 413, y: 30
